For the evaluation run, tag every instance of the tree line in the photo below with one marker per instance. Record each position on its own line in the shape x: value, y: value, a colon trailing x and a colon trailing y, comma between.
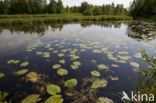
x: 56, y: 7
x: 143, y: 8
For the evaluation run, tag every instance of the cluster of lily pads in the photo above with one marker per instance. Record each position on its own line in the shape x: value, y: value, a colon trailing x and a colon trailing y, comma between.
x: 97, y: 81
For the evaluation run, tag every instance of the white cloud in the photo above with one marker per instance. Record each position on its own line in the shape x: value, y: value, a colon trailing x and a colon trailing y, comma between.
x: 96, y: 2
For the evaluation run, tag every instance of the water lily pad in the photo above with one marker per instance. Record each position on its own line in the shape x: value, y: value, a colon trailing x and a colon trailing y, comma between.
x: 102, y: 66
x: 74, y: 66
x: 115, y: 66
x: 62, y: 61
x: 134, y: 64
x: 21, y: 72
x: 38, y: 53
x: 53, y: 89
x: 104, y: 100
x: 33, y: 98
x: 71, y: 83
x: 96, y: 51
x: 56, y: 66
x: 24, y: 64
x: 55, y: 99
x: 62, y: 72
x: 32, y: 75
x: 61, y: 54
x: 13, y: 61
x: 95, y: 73
x: 99, y: 83
x: 114, y: 78
x: 138, y: 55
x: 2, y: 75
x: 77, y: 63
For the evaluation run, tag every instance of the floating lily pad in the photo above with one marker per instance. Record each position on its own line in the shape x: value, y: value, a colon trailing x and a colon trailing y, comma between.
x: 96, y: 51
x: 38, y: 53
x: 61, y: 54
x: 104, y: 100
x: 13, y: 61
x: 71, y: 83
x: 77, y: 63
x: 115, y: 66
x: 114, y: 78
x: 33, y: 98
x: 56, y: 66
x: 134, y: 64
x: 32, y: 75
x: 138, y: 55
x: 102, y: 66
x: 55, y: 99
x: 53, y: 89
x: 74, y: 66
x: 62, y: 61
x: 95, y: 73
x: 2, y: 75
x: 24, y: 64
x: 123, y: 52
x: 99, y: 83
x: 21, y: 72
x: 62, y: 72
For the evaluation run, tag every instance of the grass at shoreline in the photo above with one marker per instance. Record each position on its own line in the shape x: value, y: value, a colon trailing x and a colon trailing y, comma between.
x: 53, y: 18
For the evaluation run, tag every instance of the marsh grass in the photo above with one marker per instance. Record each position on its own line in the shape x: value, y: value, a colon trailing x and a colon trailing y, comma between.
x: 53, y: 18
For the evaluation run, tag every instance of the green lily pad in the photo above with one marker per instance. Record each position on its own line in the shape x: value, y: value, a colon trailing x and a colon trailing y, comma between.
x: 55, y: 99
x: 134, y: 64
x: 24, y: 64
x: 74, y: 66
x: 99, y: 83
x: 13, y: 61
x: 96, y: 51
x: 61, y: 54
x: 56, y: 66
x: 77, y: 63
x: 104, y: 100
x: 38, y: 53
x: 2, y: 75
x: 21, y: 72
x: 33, y: 98
x: 71, y: 83
x: 95, y: 73
x: 32, y: 75
x: 53, y: 89
x: 138, y: 55
x: 102, y: 66
x: 62, y: 72
x: 62, y: 61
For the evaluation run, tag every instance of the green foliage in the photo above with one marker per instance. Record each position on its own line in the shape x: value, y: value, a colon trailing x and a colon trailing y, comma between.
x: 143, y: 8
x: 3, y: 96
x: 53, y: 89
x: 54, y: 99
x: 52, y: 7
x: 70, y: 83
x: 146, y: 83
x: 33, y: 98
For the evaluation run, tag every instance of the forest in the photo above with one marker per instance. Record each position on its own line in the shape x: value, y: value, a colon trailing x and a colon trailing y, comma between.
x: 56, y: 7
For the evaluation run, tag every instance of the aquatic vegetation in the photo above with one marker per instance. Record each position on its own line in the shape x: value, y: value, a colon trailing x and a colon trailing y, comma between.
x: 38, y: 53
x: 138, y: 55
x: 70, y: 83
x: 124, y: 57
x: 95, y: 73
x: 13, y: 61
x: 24, y: 64
x: 33, y: 98
x: 61, y: 54
x: 33, y: 77
x: 46, y: 54
x: 2, y: 75
x: 96, y: 51
x: 77, y: 63
x: 98, y: 83
x: 123, y: 52
x: 102, y: 66
x: 56, y: 66
x: 21, y: 72
x: 62, y: 61
x: 55, y: 99
x: 115, y: 66
x: 62, y: 72
x: 74, y: 66
x: 134, y: 64
x: 3, y: 96
x: 113, y: 78
x: 53, y: 89
x: 104, y: 100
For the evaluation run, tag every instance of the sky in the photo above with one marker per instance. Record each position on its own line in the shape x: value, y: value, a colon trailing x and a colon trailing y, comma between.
x: 96, y: 2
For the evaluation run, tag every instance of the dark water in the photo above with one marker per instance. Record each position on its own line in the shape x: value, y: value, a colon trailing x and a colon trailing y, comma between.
x: 92, y: 42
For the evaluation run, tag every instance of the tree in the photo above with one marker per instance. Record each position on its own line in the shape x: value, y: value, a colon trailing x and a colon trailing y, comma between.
x: 52, y: 7
x: 86, y: 9
x: 60, y: 8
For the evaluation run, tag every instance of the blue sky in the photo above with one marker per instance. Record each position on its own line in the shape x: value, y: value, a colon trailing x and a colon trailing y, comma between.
x: 96, y: 2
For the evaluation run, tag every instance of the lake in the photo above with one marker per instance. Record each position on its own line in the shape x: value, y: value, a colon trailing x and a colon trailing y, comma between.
x: 73, y: 62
